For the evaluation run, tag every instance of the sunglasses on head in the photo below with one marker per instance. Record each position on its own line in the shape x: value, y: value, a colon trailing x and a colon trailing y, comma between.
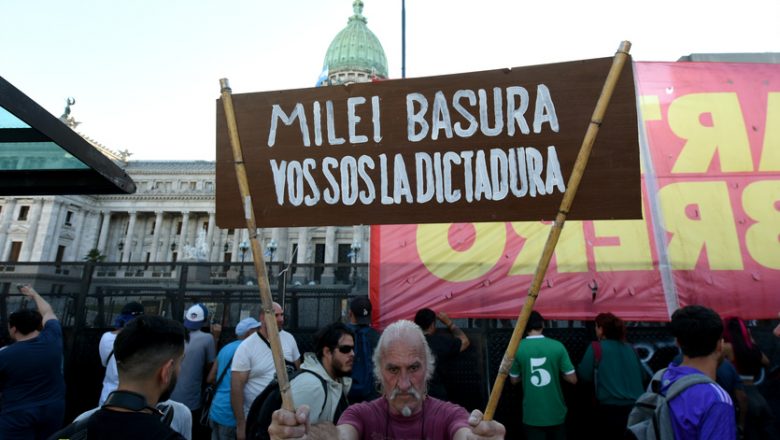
x: 345, y: 349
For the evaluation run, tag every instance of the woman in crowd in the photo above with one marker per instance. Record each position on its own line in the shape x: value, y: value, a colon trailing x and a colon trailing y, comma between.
x: 742, y: 351
x: 613, y: 367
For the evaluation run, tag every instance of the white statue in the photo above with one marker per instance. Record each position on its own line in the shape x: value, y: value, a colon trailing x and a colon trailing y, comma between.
x: 200, y: 251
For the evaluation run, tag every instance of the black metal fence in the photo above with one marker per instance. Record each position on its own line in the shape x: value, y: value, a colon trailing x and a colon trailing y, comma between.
x: 87, y: 297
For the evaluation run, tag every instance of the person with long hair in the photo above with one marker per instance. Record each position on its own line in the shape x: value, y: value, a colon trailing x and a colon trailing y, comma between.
x: 742, y: 351
x: 614, y: 369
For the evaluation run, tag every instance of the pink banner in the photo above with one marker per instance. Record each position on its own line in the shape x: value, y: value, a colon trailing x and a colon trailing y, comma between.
x: 711, y: 234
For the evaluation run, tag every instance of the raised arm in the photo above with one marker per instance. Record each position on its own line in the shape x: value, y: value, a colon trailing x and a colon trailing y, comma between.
x: 44, y: 308
x: 456, y: 332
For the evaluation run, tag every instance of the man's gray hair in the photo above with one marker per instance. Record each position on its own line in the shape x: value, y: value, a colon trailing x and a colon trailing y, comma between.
x: 402, y: 330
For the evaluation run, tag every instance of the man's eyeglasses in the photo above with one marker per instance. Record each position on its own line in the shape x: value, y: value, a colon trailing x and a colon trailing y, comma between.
x: 345, y: 349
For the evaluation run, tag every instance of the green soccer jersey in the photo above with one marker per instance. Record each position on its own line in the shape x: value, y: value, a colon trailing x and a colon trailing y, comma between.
x: 540, y: 362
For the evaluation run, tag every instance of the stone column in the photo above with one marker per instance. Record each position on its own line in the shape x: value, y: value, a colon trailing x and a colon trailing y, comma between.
x: 210, y: 236
x: 101, y: 245
x: 237, y: 233
x: 304, y: 242
x: 128, y: 249
x: 73, y: 253
x: 331, y: 253
x: 5, y: 222
x: 53, y: 240
x: 357, y: 237
x: 170, y: 238
x: 185, y: 221
x: 282, y: 238
x: 158, y: 219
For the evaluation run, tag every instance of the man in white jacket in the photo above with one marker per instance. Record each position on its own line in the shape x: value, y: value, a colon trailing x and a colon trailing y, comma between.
x: 331, y: 365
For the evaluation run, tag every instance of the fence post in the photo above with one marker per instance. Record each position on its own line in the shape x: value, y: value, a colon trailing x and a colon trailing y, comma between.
x: 177, y: 307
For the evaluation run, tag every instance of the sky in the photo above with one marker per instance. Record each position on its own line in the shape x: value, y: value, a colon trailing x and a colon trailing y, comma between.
x: 145, y: 73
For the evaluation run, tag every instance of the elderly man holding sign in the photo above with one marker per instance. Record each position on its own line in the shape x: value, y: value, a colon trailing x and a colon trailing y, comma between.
x: 404, y: 365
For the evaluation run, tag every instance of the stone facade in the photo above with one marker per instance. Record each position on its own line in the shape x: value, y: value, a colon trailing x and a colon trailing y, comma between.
x: 169, y: 218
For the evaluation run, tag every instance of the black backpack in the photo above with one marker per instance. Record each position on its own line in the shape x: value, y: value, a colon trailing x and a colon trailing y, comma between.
x: 264, y: 405
x: 120, y: 399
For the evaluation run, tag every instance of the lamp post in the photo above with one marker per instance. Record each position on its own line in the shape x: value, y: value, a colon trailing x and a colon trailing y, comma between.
x: 354, y: 254
x: 270, y: 248
x: 243, y: 247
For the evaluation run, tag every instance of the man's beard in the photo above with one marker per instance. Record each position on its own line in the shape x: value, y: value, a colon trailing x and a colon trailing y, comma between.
x: 406, y: 411
x: 338, y: 369
x: 168, y: 391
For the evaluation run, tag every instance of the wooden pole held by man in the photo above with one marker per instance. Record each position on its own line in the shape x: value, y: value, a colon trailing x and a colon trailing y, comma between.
x: 621, y: 56
x: 257, y: 252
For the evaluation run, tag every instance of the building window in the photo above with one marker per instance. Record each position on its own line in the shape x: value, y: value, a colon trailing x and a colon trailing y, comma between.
x: 16, y: 249
x: 68, y: 218
x: 178, y: 228
x: 209, y: 186
x: 23, y: 211
x: 154, y: 223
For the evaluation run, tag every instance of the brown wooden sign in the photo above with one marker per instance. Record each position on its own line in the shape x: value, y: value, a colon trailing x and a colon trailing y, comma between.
x: 485, y: 146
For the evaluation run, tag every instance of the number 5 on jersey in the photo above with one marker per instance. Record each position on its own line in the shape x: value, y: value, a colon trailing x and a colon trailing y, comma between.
x: 539, y: 376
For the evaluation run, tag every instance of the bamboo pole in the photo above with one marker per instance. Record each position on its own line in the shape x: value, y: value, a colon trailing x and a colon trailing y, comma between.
x: 257, y: 252
x: 552, y: 239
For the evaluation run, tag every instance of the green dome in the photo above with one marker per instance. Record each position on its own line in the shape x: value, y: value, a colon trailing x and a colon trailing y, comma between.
x: 356, y: 48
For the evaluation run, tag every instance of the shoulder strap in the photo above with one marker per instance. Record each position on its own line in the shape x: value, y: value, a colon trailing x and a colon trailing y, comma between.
x: 131, y: 401
x: 596, y: 352
x: 684, y: 382
x: 224, y: 372
x: 290, y: 365
x: 324, y: 387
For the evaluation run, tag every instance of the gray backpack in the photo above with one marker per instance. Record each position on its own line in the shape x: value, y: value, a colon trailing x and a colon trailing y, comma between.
x: 650, y: 419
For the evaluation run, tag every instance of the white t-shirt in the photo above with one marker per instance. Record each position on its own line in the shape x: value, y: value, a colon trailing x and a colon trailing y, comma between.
x: 111, y: 379
x: 255, y: 356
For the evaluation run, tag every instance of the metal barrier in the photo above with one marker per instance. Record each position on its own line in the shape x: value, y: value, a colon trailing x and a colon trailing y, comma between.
x: 88, y: 296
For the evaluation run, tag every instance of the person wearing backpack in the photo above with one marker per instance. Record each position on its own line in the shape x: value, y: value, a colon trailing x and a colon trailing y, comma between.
x: 612, y: 366
x: 684, y: 401
x: 253, y: 368
x: 149, y: 352
x: 366, y: 339
x: 331, y: 363
x: 221, y: 418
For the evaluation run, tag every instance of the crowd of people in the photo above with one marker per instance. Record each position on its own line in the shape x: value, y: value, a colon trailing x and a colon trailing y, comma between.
x: 359, y: 383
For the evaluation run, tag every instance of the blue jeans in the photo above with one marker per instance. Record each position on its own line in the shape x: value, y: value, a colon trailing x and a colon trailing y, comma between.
x: 222, y: 432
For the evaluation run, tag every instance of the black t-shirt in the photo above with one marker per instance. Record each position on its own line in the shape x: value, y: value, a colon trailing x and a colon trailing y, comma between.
x: 115, y: 425
x: 444, y: 348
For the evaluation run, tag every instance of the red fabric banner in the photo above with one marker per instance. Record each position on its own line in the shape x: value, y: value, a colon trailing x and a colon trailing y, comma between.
x: 710, y: 140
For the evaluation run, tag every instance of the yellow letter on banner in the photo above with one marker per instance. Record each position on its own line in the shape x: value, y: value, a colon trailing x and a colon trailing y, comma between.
x: 758, y: 200
x: 570, y: 253
x: 633, y: 252
x: 726, y: 135
x: 713, y: 229
x: 770, y: 154
x: 535, y: 235
x: 437, y: 254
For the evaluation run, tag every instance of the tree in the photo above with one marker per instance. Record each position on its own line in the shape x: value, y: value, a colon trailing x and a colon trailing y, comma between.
x: 94, y: 256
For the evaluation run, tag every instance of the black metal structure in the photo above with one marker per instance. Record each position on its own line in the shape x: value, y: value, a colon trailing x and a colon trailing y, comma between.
x: 33, y: 129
